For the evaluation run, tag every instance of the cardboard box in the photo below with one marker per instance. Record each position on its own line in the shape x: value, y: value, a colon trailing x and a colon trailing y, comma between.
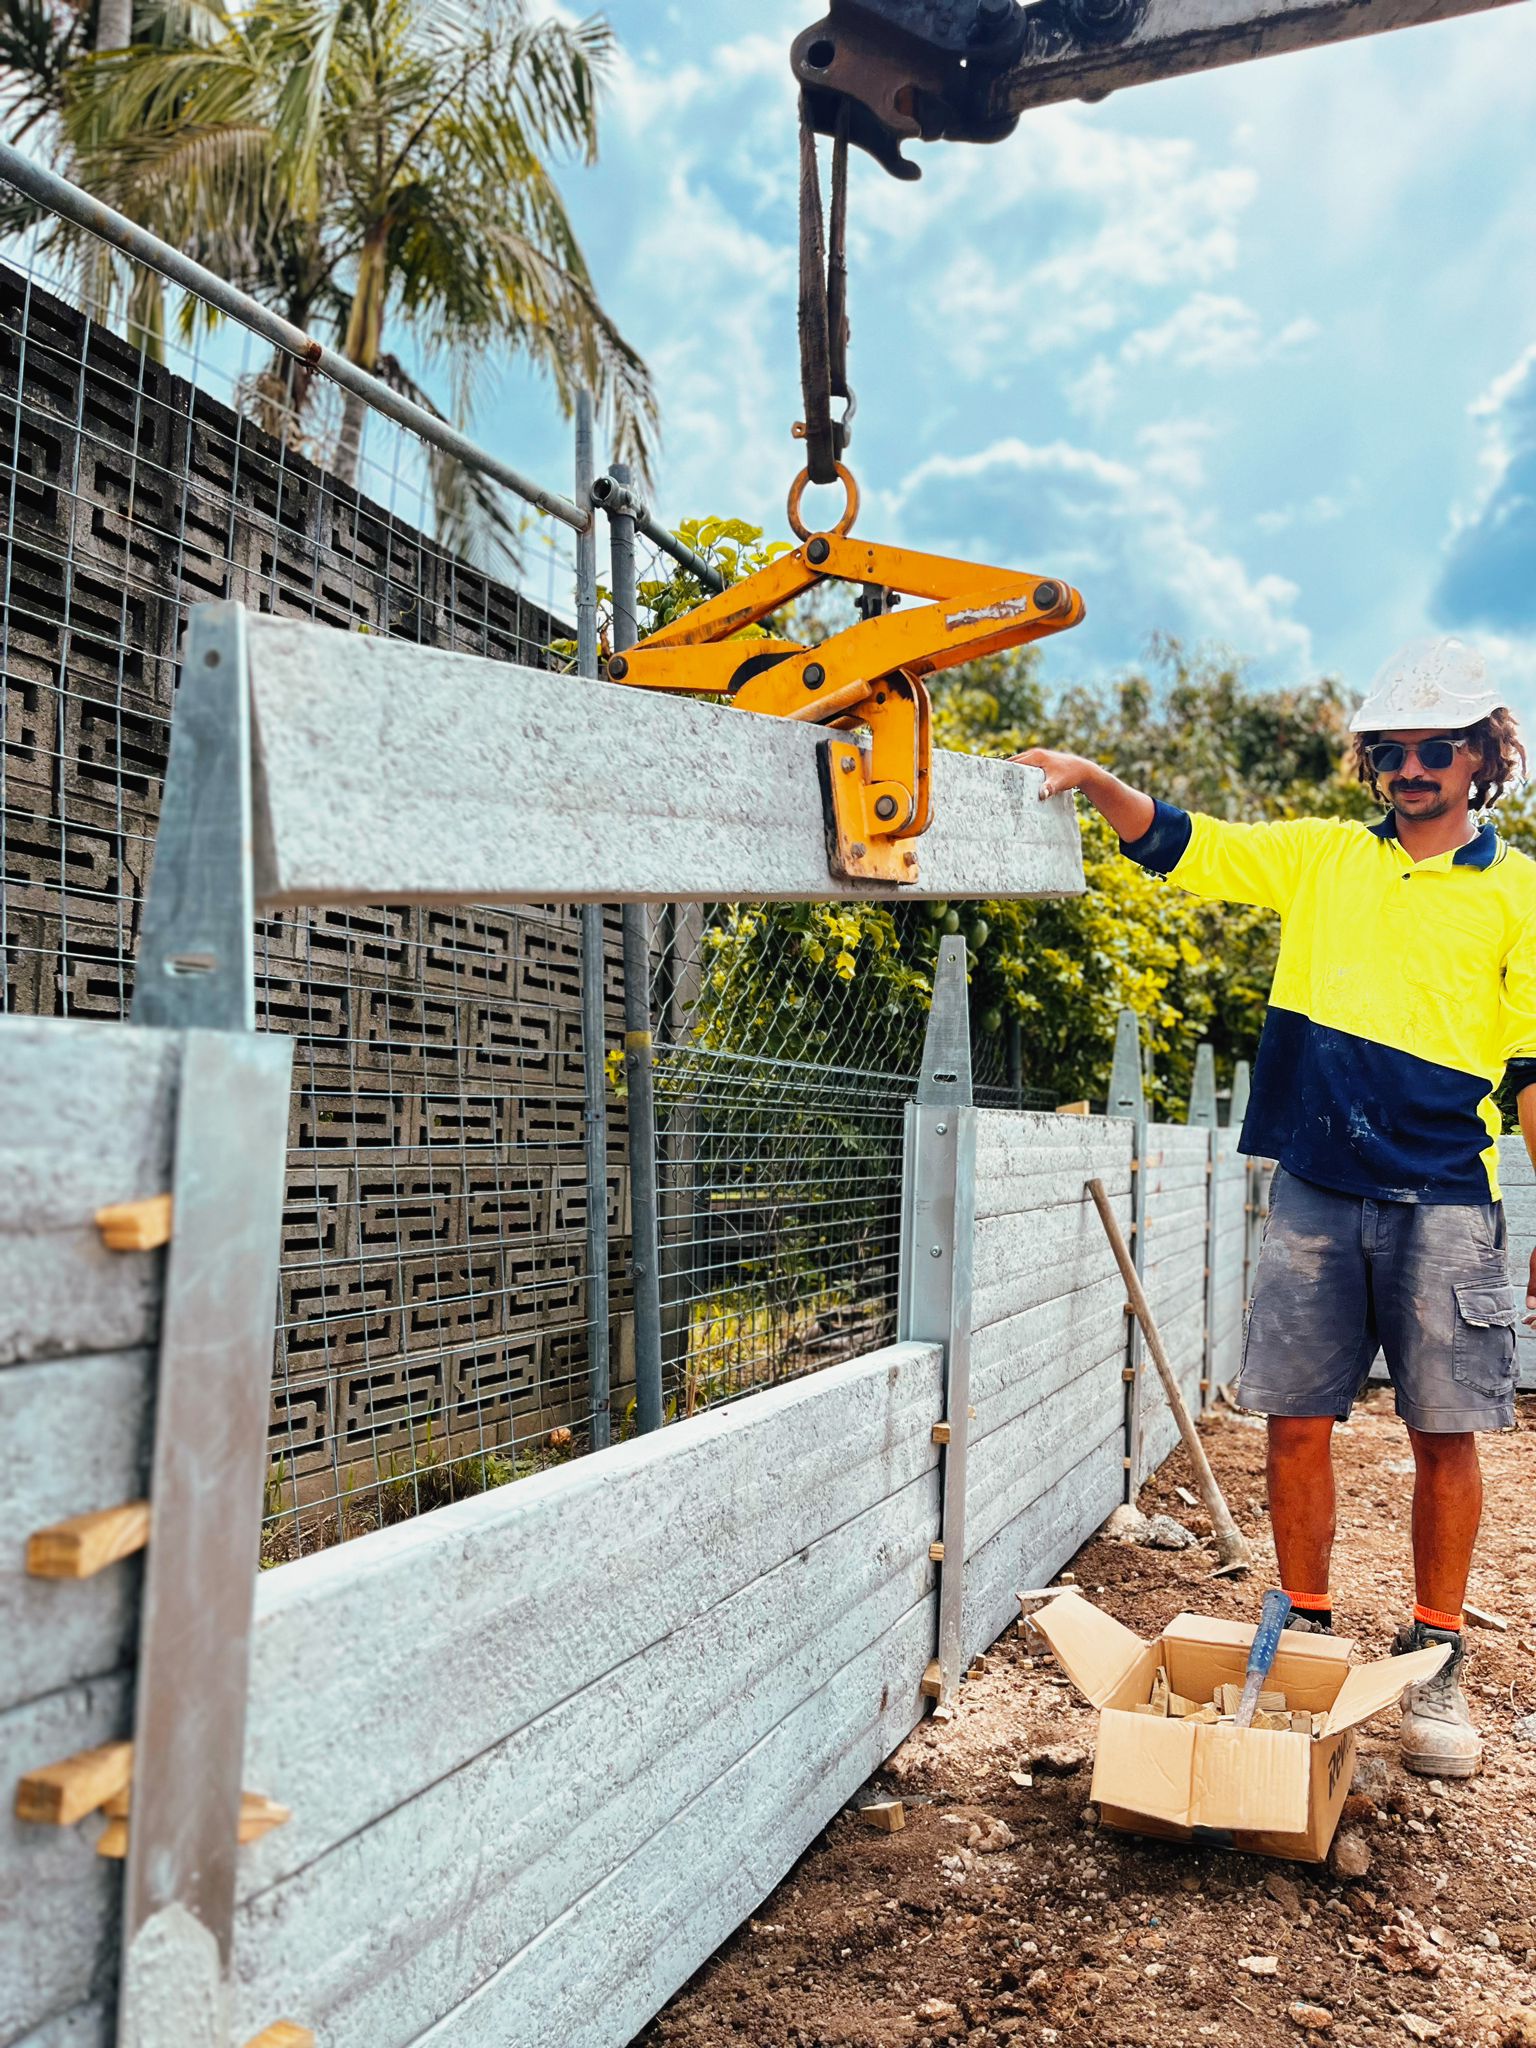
x: 1271, y: 1792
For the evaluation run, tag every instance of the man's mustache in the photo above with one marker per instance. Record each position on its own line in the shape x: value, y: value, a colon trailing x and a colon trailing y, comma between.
x: 1415, y: 788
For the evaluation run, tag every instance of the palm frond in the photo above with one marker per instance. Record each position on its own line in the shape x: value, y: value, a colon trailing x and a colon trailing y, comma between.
x: 301, y: 101
x: 171, y: 24
x: 472, y: 517
x: 37, y: 48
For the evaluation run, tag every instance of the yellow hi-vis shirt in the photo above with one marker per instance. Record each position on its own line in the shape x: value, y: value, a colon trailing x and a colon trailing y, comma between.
x: 1403, y: 991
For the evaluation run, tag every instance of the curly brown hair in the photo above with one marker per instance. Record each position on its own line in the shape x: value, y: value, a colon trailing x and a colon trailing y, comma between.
x: 1497, y: 741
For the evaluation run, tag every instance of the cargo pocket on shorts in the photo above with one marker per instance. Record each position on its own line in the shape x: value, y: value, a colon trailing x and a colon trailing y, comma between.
x: 1483, y: 1345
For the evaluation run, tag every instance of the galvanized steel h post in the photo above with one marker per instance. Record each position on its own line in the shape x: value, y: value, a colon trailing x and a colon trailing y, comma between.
x: 1201, y: 1115
x: 196, y: 978
x: 938, y: 1227
x: 645, y: 1234
x: 594, y: 1071
x: 1127, y: 1098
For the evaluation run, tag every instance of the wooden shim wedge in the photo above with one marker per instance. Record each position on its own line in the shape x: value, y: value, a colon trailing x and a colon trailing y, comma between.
x: 58, y: 1795
x: 888, y: 1815
x: 59, y: 1922
x: 1231, y: 1544
x: 87, y: 1544
x: 471, y: 780
x: 282, y: 2034
x: 141, y: 1226
x: 258, y: 1816
x: 76, y: 1432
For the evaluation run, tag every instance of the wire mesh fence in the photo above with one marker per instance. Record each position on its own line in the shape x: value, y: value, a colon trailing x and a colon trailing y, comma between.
x: 435, y: 1314
x: 780, y: 1174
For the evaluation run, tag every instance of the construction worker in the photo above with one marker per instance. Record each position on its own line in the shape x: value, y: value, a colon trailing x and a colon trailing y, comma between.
x: 1404, y: 991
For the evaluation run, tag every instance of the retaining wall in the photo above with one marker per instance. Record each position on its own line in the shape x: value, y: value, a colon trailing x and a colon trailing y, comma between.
x: 546, y: 1748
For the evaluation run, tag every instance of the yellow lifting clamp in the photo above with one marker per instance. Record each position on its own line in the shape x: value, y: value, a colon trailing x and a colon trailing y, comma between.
x: 876, y: 789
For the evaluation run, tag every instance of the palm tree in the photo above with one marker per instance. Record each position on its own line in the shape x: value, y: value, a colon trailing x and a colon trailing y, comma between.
x: 372, y: 166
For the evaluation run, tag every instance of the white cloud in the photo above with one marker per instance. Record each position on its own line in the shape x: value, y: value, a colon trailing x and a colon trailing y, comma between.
x: 1084, y: 272
x: 1093, y: 391
x: 648, y: 97
x: 1212, y: 332
x: 1059, y: 234
x: 1488, y: 580
x: 1173, y: 451
x: 1122, y: 531
x: 1209, y: 331
x: 1320, y: 510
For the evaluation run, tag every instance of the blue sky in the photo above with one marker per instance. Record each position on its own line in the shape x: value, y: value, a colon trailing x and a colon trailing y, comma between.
x: 1251, y: 357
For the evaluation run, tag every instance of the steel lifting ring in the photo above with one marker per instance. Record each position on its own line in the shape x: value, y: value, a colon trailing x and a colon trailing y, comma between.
x: 844, y: 525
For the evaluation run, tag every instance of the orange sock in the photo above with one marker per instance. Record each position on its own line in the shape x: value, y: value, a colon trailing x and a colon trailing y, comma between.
x: 1433, y: 1618
x: 1316, y: 1607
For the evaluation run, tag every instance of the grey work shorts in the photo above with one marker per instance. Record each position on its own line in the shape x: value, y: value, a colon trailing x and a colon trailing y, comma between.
x: 1339, y: 1277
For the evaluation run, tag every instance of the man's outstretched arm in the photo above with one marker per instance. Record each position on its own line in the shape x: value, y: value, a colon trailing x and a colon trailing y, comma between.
x: 1216, y: 858
x: 1129, y: 811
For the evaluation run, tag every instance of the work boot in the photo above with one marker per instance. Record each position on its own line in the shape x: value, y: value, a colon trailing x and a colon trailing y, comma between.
x: 1437, y: 1738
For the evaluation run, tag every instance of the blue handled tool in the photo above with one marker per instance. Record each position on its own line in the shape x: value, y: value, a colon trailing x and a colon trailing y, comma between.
x: 1272, y: 1619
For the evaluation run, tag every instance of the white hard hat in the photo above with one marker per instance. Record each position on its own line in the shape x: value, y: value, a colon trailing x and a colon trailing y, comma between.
x: 1428, y: 683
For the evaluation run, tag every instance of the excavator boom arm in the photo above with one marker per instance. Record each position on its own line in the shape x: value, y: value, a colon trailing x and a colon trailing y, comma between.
x: 899, y: 71
x: 1168, y: 38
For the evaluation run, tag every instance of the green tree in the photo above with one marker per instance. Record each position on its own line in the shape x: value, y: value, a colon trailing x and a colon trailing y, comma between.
x: 40, y: 43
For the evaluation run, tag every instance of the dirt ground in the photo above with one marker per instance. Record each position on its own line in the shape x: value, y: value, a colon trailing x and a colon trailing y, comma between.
x: 1055, y: 1930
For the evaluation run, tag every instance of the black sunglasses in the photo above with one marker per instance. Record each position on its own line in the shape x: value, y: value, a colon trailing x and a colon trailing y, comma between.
x: 1387, y: 756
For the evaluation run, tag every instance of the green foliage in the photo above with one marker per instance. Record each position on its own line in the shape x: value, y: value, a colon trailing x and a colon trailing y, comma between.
x: 731, y: 547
